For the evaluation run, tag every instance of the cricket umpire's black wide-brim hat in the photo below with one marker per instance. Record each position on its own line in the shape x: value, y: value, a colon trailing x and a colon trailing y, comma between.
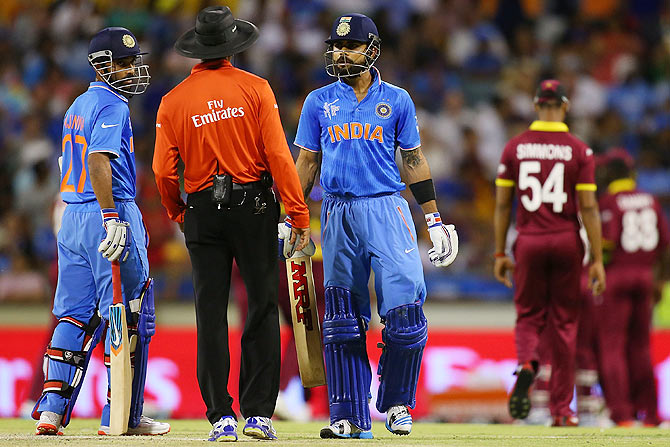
x: 216, y: 34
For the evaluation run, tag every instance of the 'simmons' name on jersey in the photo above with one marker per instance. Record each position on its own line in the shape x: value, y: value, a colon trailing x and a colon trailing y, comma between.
x: 544, y: 151
x: 217, y: 113
x: 356, y: 131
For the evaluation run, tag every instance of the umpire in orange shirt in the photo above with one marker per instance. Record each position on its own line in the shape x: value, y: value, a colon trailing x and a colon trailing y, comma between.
x: 224, y: 124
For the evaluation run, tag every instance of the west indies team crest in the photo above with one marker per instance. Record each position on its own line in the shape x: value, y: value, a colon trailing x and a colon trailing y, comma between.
x: 383, y: 110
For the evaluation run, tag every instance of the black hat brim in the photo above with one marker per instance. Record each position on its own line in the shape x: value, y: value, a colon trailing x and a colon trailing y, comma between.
x: 188, y: 46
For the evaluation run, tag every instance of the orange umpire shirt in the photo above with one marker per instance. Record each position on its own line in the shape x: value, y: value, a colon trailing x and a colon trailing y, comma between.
x: 224, y: 120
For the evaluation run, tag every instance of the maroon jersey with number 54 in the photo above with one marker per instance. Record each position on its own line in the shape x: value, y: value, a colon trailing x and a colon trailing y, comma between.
x: 546, y: 165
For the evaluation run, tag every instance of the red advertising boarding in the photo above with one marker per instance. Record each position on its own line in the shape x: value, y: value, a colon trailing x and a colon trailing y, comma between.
x: 465, y: 374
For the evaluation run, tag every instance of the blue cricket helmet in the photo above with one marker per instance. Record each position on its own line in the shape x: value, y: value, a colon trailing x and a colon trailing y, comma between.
x: 357, y: 28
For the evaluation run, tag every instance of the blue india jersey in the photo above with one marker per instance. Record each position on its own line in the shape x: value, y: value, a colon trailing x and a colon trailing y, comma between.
x: 97, y: 121
x: 358, y: 140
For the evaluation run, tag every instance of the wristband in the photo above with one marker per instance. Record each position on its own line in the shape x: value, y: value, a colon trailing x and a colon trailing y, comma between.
x: 423, y: 191
x: 433, y: 220
x: 109, y: 214
x: 499, y: 255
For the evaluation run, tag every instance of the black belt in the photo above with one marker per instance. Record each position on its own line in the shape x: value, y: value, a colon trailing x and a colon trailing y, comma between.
x: 247, y: 186
x: 204, y: 195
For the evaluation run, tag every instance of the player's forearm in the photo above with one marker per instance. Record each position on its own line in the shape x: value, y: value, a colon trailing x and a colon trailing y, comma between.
x: 415, y: 166
x: 307, y: 166
x: 502, y: 216
x: 501, y: 220
x: 591, y: 220
x: 416, y: 170
x: 100, y: 173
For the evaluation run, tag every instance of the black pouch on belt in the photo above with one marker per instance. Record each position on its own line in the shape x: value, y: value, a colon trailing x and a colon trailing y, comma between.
x: 222, y: 188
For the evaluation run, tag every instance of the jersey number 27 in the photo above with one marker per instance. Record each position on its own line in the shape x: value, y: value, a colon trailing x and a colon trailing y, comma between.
x: 69, y: 145
x: 551, y: 191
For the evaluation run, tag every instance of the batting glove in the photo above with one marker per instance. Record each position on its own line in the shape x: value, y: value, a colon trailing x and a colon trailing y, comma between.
x: 115, y: 246
x: 444, y: 239
x: 287, y: 250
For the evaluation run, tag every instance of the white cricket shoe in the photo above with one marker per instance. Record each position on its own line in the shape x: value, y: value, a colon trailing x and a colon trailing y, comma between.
x: 259, y: 427
x: 344, y: 429
x: 147, y: 426
x: 224, y: 430
x: 49, y: 424
x: 398, y: 420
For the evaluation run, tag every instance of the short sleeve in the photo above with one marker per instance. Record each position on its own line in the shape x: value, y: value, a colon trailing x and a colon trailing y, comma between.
x: 408, y: 126
x: 586, y: 173
x: 505, y: 175
x: 308, y: 135
x: 107, y: 129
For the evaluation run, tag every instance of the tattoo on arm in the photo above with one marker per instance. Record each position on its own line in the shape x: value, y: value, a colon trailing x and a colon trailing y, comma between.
x: 412, y: 158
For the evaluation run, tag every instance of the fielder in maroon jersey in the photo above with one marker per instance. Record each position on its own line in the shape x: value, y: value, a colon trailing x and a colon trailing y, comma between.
x: 635, y: 240
x: 552, y: 174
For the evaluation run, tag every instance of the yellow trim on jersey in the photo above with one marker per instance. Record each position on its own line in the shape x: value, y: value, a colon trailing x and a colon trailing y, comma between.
x: 549, y: 126
x: 586, y: 187
x: 504, y: 182
x: 621, y: 185
x: 607, y: 244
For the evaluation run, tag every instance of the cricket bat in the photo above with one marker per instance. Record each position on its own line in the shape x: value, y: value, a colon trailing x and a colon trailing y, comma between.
x: 305, y: 321
x: 121, y: 373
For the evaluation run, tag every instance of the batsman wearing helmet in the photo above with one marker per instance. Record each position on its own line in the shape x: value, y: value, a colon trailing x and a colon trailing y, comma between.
x: 98, y: 184
x: 355, y: 125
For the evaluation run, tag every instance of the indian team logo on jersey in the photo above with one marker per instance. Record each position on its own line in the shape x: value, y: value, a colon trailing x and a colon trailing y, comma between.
x: 128, y: 40
x: 383, y: 110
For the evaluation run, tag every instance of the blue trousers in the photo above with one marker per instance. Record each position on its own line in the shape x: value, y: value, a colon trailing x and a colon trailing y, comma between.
x: 372, y: 232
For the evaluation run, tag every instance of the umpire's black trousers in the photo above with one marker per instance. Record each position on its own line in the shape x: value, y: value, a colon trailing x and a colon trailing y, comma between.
x: 247, y: 232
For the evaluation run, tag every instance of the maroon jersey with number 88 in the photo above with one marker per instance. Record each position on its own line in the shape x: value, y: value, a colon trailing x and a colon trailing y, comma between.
x: 546, y: 165
x: 634, y: 226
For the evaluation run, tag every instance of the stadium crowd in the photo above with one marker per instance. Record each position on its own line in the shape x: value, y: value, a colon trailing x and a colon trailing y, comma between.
x: 471, y: 68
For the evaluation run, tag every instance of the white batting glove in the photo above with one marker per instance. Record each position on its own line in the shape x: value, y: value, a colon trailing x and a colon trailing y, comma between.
x: 287, y: 250
x: 444, y: 239
x: 116, y: 245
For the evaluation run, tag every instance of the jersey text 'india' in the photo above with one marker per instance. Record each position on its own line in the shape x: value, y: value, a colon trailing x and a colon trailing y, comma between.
x: 356, y: 131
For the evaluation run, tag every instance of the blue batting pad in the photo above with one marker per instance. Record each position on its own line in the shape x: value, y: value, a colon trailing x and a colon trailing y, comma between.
x: 146, y: 328
x: 66, y: 360
x: 347, y: 365
x: 404, y: 339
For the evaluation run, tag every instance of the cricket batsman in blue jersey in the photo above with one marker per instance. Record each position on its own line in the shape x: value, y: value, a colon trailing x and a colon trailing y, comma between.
x: 355, y: 125
x: 101, y: 223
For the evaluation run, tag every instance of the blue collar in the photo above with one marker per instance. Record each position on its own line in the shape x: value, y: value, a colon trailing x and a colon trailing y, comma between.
x: 104, y: 86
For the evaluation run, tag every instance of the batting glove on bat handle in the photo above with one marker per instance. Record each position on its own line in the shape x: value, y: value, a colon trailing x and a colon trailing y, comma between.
x: 286, y: 249
x: 444, y: 239
x: 117, y: 243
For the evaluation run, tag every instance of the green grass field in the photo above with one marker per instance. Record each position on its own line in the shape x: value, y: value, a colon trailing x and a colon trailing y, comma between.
x: 19, y: 432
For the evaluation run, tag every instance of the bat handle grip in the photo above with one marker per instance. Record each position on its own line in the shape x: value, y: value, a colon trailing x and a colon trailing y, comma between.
x: 116, y: 282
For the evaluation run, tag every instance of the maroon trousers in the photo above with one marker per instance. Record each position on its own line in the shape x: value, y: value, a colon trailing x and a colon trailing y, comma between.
x: 624, y: 325
x: 547, y: 297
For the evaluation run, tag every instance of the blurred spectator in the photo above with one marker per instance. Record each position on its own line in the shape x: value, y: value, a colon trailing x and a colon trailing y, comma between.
x: 470, y: 67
